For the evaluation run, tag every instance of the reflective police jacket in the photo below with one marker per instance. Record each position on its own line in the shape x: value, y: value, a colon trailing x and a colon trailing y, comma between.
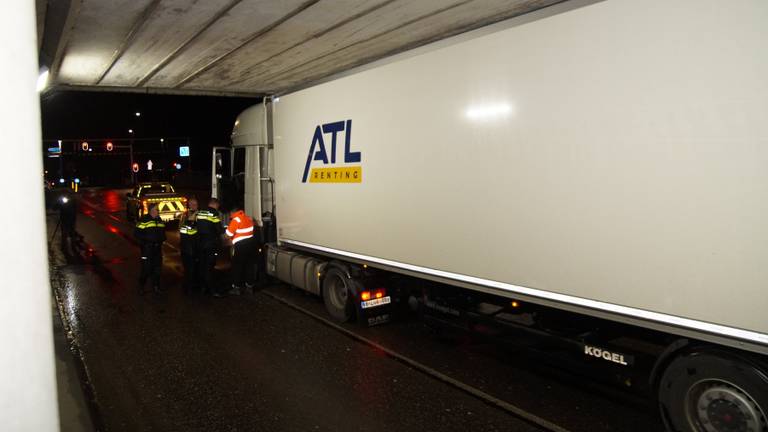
x: 188, y: 232
x: 240, y: 227
x: 209, y: 228
x: 150, y: 232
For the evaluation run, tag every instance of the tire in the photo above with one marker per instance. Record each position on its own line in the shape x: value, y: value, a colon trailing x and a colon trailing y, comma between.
x: 714, y: 392
x: 338, y: 295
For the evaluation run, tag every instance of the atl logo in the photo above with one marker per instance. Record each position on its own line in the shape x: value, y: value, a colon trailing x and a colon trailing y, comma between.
x: 345, y: 172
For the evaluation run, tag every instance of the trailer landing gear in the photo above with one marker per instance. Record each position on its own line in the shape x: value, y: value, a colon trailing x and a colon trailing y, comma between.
x: 714, y: 391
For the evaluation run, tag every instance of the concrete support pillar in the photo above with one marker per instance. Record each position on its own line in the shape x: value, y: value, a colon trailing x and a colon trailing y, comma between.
x: 27, y: 378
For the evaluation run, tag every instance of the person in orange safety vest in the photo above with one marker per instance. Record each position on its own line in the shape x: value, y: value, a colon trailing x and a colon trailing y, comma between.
x: 241, y: 231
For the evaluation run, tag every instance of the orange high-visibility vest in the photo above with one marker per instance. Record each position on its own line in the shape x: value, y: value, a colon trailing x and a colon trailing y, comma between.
x: 240, y: 227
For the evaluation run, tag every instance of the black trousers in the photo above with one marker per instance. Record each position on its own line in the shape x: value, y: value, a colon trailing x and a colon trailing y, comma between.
x: 243, y: 262
x: 151, y: 265
x: 206, y: 264
x: 191, y: 262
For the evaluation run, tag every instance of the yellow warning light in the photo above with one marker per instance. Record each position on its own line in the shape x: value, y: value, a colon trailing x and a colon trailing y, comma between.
x: 515, y: 304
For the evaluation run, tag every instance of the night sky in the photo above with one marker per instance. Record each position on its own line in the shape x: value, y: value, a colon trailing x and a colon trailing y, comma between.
x: 98, y: 117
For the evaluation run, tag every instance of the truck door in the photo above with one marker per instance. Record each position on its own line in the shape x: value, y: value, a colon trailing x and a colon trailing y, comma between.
x: 221, y: 169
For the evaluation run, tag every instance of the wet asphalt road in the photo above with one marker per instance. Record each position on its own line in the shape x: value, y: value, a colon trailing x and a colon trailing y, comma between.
x: 172, y: 362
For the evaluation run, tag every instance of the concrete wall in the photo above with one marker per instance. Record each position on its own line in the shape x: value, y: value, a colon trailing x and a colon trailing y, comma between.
x: 27, y: 380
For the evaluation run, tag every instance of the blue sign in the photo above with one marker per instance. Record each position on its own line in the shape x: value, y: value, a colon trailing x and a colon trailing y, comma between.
x: 184, y: 151
x: 54, y: 150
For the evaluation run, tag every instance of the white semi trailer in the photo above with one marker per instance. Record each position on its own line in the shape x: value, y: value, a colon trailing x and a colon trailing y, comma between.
x: 606, y: 159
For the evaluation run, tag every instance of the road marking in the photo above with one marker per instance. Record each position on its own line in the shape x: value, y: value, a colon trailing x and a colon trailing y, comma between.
x: 483, y: 396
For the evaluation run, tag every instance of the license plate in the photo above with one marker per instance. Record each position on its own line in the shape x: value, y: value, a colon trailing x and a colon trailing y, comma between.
x: 375, y: 302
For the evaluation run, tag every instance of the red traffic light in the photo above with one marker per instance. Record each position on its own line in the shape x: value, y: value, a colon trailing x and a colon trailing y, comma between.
x: 135, y: 167
x: 110, y: 146
x: 84, y: 146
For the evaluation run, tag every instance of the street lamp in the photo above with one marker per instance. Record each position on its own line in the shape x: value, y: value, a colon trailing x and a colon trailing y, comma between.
x: 138, y: 114
x: 130, y: 148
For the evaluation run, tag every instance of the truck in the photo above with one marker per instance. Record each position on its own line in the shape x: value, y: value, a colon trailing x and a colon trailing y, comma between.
x: 170, y: 204
x: 590, y: 162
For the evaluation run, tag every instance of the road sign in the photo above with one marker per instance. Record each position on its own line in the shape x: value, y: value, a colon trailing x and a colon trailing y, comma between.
x: 184, y: 151
x: 149, y: 165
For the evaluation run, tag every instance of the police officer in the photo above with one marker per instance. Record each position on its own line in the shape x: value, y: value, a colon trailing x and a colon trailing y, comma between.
x: 189, y: 246
x: 150, y: 232
x: 240, y: 231
x: 67, y: 207
x: 209, y: 231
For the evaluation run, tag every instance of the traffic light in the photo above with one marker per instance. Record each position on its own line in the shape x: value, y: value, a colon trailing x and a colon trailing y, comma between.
x: 84, y: 146
x: 110, y: 146
x: 135, y: 167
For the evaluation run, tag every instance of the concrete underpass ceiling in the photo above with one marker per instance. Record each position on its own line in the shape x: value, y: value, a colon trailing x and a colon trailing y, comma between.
x: 241, y: 47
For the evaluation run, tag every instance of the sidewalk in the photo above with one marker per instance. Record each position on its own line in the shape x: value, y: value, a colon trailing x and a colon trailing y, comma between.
x: 74, y: 414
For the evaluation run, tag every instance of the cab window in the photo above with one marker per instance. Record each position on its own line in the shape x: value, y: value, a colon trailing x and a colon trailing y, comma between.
x: 155, y: 189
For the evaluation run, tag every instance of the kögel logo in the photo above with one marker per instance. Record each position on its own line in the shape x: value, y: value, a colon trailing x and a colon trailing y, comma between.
x: 607, y: 355
x: 335, y: 173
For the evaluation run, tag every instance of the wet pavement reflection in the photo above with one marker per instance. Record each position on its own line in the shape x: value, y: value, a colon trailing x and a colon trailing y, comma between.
x: 173, y: 362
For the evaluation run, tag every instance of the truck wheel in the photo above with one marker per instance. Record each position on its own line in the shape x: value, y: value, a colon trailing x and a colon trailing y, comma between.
x: 337, y: 295
x: 710, y: 392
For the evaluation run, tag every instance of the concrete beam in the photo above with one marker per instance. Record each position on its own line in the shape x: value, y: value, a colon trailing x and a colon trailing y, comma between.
x: 41, y: 7
x: 316, y: 31
x: 258, y: 34
x: 59, y: 20
x: 129, y: 37
x: 412, y: 34
x: 167, y: 59
x: 381, y: 21
x: 150, y: 90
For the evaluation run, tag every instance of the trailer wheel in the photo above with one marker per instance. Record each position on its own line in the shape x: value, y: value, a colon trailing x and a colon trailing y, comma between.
x: 337, y: 295
x: 713, y: 392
